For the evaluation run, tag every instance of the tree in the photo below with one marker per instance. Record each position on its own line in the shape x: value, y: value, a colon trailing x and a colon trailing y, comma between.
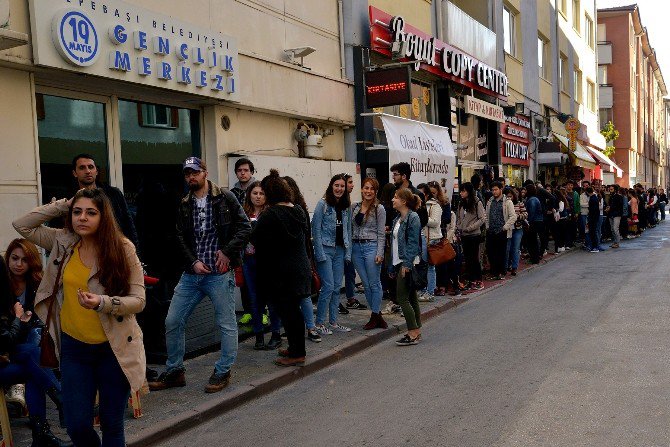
x: 611, y: 134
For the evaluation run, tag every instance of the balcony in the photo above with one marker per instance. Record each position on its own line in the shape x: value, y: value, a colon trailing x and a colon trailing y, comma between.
x: 9, y: 38
x: 604, y: 53
x: 606, y: 96
x: 467, y: 34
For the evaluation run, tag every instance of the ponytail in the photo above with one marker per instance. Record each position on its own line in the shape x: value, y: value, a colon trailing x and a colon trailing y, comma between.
x: 412, y: 201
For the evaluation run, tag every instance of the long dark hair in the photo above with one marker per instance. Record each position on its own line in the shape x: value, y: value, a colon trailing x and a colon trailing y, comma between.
x: 7, y: 299
x: 331, y: 200
x: 33, y: 275
x: 276, y: 189
x: 298, y: 198
x: 248, y: 206
x: 114, y: 269
x: 468, y: 204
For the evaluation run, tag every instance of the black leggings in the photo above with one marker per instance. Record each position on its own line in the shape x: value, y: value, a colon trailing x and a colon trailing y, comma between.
x: 473, y: 269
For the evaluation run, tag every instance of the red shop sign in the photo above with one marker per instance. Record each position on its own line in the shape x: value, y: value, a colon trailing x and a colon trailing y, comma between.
x: 515, y: 141
x: 433, y: 55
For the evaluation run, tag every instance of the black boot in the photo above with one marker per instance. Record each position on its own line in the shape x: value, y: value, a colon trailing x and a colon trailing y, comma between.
x: 42, y: 436
x: 260, y: 343
x: 54, y: 395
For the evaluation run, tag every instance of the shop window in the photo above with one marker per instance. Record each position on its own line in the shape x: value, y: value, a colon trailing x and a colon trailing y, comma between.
x: 65, y: 128
x: 154, y: 115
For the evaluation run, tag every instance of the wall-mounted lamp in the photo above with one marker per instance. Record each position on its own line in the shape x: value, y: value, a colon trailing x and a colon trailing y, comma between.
x: 519, y: 107
x: 301, y: 52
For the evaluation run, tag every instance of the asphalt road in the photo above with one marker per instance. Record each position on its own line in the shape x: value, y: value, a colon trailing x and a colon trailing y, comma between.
x: 576, y: 353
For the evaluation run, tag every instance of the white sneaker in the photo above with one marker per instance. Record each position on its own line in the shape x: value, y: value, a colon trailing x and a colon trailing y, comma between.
x: 388, y: 310
x: 426, y: 297
x: 17, y: 394
x: 323, y: 330
x: 339, y: 328
x: 561, y: 249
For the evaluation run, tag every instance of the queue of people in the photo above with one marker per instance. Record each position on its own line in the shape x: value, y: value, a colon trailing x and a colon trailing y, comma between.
x: 76, y: 313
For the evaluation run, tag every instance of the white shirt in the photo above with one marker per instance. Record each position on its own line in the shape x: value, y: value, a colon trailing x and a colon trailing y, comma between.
x: 396, y: 256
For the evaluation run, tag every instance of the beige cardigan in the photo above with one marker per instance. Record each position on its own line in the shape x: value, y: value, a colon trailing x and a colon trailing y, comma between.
x: 117, y: 315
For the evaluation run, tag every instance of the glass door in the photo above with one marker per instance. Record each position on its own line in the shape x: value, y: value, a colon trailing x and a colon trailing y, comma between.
x: 67, y: 127
x: 155, y: 140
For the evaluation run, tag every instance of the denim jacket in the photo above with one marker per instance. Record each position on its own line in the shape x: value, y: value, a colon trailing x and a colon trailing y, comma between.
x: 323, y: 230
x: 408, y: 243
x: 534, y: 208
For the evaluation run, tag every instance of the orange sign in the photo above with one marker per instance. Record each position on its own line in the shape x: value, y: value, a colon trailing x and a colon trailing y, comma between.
x: 572, y: 125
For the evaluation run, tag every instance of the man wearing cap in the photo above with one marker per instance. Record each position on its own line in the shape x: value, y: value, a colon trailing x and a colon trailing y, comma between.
x: 212, y: 230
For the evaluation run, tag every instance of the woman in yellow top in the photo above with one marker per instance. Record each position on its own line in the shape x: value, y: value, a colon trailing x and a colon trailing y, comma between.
x: 93, y: 325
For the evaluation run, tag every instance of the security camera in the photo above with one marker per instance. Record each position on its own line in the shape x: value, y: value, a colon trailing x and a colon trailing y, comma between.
x: 399, y: 49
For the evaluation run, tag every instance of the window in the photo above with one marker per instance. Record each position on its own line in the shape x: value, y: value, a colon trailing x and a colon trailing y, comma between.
x: 154, y: 115
x: 542, y: 59
x: 602, y: 74
x: 588, y: 31
x: 605, y: 116
x: 591, y: 96
x: 509, y: 31
x: 576, y: 15
x: 577, y: 84
x: 563, y: 73
x: 563, y: 7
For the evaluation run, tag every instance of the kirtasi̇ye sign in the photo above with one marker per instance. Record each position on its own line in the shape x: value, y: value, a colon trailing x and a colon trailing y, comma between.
x: 113, y: 39
x: 434, y: 55
x: 426, y: 147
x: 478, y: 107
x: 515, y: 141
x: 388, y: 87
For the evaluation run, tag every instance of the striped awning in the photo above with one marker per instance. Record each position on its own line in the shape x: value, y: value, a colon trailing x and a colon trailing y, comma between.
x: 582, y: 156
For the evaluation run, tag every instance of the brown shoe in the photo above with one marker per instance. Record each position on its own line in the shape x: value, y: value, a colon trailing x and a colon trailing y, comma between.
x: 290, y: 361
x: 168, y: 379
x: 283, y: 352
x: 217, y: 382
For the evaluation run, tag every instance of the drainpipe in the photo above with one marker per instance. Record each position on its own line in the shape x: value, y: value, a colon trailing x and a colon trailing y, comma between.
x: 439, y: 20
x: 340, y: 20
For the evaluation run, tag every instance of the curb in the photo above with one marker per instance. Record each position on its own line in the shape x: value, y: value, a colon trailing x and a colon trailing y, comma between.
x: 283, y: 377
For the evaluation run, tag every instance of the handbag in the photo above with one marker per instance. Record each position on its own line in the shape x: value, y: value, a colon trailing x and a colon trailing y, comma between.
x: 48, y: 357
x: 316, y: 280
x: 440, y: 252
x: 419, y: 275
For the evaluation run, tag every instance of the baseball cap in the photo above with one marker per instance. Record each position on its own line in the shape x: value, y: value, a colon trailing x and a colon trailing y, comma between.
x: 194, y: 163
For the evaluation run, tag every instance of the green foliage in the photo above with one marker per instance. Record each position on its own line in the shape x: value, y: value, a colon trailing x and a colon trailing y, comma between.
x: 611, y: 134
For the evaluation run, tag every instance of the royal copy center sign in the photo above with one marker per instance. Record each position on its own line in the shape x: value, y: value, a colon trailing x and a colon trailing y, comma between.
x: 113, y: 39
x: 426, y: 147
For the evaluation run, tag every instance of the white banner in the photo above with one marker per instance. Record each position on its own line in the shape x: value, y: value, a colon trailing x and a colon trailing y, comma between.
x: 426, y: 147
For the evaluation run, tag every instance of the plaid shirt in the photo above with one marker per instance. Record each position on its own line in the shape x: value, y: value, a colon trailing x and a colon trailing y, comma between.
x: 204, y: 229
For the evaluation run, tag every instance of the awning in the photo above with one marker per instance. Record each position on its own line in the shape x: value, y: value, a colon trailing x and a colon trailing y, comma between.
x: 582, y: 157
x: 605, y: 163
x: 551, y: 158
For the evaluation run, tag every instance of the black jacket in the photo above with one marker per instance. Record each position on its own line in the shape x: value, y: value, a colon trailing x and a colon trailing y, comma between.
x: 279, y: 239
x: 232, y: 226
x: 122, y: 213
x: 594, y: 207
x: 12, y: 333
x: 616, y: 206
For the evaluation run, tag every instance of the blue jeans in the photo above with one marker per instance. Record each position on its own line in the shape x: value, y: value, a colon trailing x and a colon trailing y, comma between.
x: 307, y: 312
x: 87, y: 369
x: 599, y: 231
x: 583, y: 219
x: 432, y: 275
x: 514, y: 249
x: 188, y: 293
x: 24, y: 367
x: 661, y: 207
x: 349, y: 280
x: 258, y: 303
x: 363, y: 257
x: 331, y: 272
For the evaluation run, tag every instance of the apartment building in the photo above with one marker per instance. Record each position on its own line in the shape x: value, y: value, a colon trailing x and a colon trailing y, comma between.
x: 631, y: 89
x: 550, y: 58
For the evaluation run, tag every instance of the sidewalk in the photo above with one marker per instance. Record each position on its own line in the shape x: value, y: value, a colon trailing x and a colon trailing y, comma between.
x: 175, y: 410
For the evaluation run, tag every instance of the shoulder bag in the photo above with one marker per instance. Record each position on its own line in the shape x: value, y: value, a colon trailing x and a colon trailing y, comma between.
x: 419, y: 272
x: 441, y: 252
x: 48, y: 358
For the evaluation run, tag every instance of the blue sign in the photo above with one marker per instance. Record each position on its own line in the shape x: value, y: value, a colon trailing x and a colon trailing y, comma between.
x: 76, y: 38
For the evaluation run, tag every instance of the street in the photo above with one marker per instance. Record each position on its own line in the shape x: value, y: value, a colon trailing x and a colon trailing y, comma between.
x: 573, y: 353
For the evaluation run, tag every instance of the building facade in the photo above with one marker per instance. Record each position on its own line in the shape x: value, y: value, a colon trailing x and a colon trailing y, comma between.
x: 632, y: 98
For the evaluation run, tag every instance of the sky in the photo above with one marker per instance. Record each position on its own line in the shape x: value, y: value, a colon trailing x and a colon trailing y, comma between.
x: 654, y: 15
